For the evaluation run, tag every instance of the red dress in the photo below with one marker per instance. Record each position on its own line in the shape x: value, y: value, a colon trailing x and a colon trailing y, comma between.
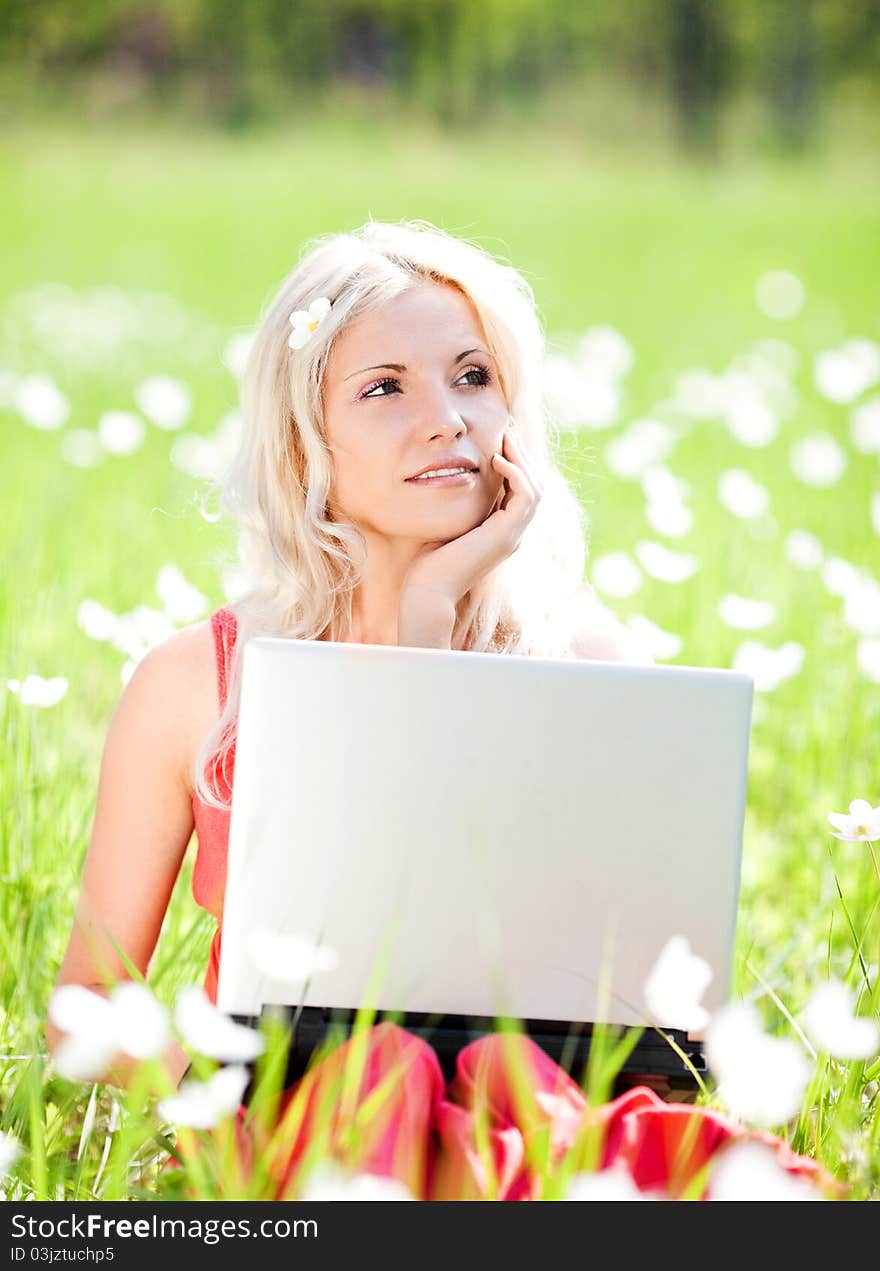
x: 425, y: 1135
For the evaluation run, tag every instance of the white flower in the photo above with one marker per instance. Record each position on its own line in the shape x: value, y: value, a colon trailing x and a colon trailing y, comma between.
x: 201, y: 1104
x: 330, y: 1181
x: 768, y: 667
x: 235, y: 353
x: 747, y: 1170
x: 616, y: 574
x: 780, y: 294
x: 181, y: 600
x: 745, y: 614
x: 840, y: 576
x: 760, y: 1078
x: 660, y: 644
x: 41, y: 403
x: 675, y: 984
x: 669, y: 517
x: 644, y: 444
x: 10, y: 1150
x: 831, y: 1024
x: 664, y: 565
x: 865, y: 426
x: 844, y: 373
x: 741, y: 494
x: 35, y: 691
x: 121, y: 432
x: 615, y: 1183
x: 306, y: 321
x: 211, y: 1032
x: 97, y: 622
x: 81, y: 448
x: 861, y: 824
x: 140, y: 1019
x: 818, y: 460
x: 288, y: 959
x: 131, y: 1020
x: 804, y: 550
x: 752, y: 422
x: 165, y: 401
x: 861, y: 610
x: 603, y: 351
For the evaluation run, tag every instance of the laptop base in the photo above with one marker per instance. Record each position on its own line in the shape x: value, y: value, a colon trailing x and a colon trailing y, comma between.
x: 653, y: 1061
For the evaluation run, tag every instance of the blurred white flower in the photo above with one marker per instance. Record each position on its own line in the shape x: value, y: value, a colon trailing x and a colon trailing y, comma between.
x: 140, y: 1019
x: 139, y: 630
x: 752, y: 422
x: 182, y: 601
x: 860, y: 824
x: 201, y: 1104
x: 861, y: 606
x: 760, y: 1078
x: 660, y: 485
x: 659, y: 643
x: 675, y: 984
x: 10, y: 1150
x: 741, y: 494
x: 197, y: 456
x: 669, y: 517
x: 746, y: 1170
x: 615, y: 1183
x: 236, y: 350
x: 288, y: 959
x: 868, y: 658
x: 664, y: 565
x: 574, y: 399
x: 645, y: 443
x: 842, y: 374
x: 804, y: 550
x: 604, y: 353
x: 745, y: 614
x: 97, y: 622
x: 768, y: 667
x: 165, y: 401
x: 131, y: 1020
x: 818, y: 460
x: 41, y: 403
x: 831, y: 1024
x: 211, y: 1032
x: 35, y: 691
x: 780, y: 294
x: 616, y: 574
x: 121, y: 432
x: 865, y: 426
x: 81, y: 448
x: 329, y: 1181
x: 840, y: 576
x: 699, y: 393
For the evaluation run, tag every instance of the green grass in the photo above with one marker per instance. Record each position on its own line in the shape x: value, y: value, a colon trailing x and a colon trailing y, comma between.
x: 667, y: 253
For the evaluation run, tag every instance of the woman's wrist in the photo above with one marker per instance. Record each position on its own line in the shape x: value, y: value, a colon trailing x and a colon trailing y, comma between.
x: 425, y: 620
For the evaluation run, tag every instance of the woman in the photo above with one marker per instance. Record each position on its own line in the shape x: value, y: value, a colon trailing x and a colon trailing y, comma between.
x: 387, y: 354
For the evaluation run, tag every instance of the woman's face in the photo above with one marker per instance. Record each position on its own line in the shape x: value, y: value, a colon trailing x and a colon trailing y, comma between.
x: 405, y: 388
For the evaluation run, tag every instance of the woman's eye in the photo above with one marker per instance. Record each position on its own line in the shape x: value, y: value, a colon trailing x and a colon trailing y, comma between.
x: 482, y: 373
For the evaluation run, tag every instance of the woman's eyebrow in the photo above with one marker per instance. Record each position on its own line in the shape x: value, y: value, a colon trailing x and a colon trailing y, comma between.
x: 396, y: 366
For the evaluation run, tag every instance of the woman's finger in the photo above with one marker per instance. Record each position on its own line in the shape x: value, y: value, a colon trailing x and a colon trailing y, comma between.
x: 518, y: 454
x: 519, y: 483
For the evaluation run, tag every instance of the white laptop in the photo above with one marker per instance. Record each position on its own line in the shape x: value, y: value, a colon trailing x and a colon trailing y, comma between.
x: 479, y: 835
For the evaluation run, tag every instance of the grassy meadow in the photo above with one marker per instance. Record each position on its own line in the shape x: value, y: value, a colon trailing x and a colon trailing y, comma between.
x: 130, y: 254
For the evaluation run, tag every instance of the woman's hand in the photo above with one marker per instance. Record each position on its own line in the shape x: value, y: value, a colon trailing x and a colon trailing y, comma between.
x: 440, y: 576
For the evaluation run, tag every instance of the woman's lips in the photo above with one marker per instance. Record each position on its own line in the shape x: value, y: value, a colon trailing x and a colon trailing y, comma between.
x: 460, y: 478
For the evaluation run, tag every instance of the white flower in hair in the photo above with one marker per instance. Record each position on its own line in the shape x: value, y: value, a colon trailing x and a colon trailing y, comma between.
x: 307, y: 321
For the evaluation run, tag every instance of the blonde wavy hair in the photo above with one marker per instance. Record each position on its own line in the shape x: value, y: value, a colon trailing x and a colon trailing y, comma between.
x: 299, y: 567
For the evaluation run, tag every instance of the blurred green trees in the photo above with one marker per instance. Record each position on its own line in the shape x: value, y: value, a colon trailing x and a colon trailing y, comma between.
x: 584, y: 66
